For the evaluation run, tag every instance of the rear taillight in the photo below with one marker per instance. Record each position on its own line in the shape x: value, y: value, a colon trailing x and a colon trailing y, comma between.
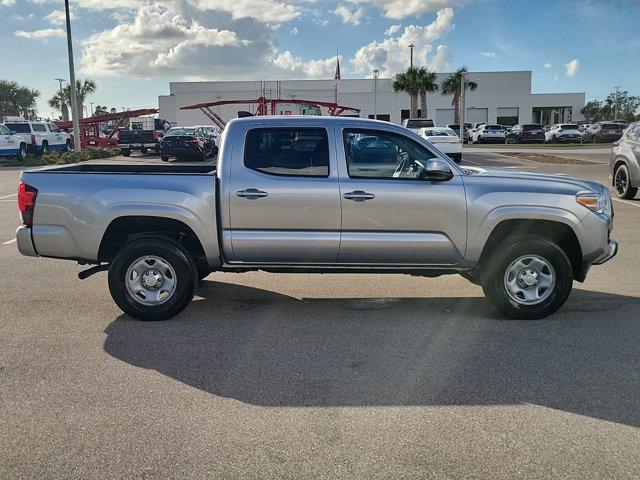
x: 33, y: 140
x: 26, y: 203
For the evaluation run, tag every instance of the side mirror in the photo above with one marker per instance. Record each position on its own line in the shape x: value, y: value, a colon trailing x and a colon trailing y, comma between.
x: 437, y: 171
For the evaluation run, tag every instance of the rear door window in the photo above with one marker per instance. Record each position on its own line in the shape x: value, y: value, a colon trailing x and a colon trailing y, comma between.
x: 39, y: 127
x: 299, y: 152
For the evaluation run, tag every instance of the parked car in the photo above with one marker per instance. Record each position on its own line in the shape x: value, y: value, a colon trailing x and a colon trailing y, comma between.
x: 186, y: 142
x: 563, y: 133
x: 488, y: 134
x: 144, y: 134
x: 12, y: 144
x: 287, y: 196
x: 603, y: 132
x: 445, y: 140
x: 625, y: 162
x: 42, y: 136
x: 415, y: 124
x: 213, y: 131
x: 525, y: 133
x: 456, y: 129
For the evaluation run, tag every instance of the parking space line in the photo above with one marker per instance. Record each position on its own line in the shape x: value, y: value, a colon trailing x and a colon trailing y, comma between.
x: 9, y: 242
x: 627, y: 202
x: 7, y: 196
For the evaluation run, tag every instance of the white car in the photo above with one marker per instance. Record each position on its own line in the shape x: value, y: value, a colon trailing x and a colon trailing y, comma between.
x: 415, y: 124
x: 445, y: 140
x: 563, y: 133
x: 488, y: 134
x: 42, y: 136
x: 12, y: 144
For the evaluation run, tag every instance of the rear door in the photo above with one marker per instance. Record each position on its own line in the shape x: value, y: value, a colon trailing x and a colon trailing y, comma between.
x: 56, y: 138
x: 283, y: 196
x: 389, y: 215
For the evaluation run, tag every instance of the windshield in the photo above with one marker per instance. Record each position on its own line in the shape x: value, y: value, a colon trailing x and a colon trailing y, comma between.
x: 438, y: 132
x: 532, y: 127
x: 569, y: 127
x: 19, y: 127
x: 612, y: 126
x: 419, y: 123
x: 181, y: 131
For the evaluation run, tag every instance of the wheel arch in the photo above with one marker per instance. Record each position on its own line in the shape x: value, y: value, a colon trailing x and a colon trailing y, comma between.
x: 559, y: 232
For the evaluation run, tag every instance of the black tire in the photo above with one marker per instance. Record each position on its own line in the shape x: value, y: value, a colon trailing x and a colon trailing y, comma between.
x: 456, y: 157
x: 125, y: 152
x: 203, y: 273
x: 175, y: 255
x: 164, y: 158
x: 144, y: 150
x: 67, y: 146
x: 22, y: 152
x: 511, y: 250
x: 45, y: 148
x: 622, y: 183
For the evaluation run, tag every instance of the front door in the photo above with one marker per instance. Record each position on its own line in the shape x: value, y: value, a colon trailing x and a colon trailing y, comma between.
x: 8, y: 144
x: 284, y: 202
x: 390, y: 216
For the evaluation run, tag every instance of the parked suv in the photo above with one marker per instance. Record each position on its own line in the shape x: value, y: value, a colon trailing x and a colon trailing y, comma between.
x: 563, y: 133
x: 603, y: 132
x: 42, y: 136
x: 12, y: 144
x: 488, y: 134
x: 527, y: 133
x: 625, y: 160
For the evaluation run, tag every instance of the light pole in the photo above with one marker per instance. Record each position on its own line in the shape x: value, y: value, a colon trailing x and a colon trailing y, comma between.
x: 72, y: 82
x: 411, y: 45
x: 376, y: 74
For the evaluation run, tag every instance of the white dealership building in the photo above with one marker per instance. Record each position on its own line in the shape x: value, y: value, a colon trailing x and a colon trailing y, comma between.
x: 501, y: 97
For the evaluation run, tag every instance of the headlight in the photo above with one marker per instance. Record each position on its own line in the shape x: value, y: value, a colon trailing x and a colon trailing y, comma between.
x: 593, y: 201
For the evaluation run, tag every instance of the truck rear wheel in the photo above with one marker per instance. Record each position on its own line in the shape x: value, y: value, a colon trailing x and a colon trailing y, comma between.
x: 153, y: 278
x: 529, y: 279
x: 126, y: 152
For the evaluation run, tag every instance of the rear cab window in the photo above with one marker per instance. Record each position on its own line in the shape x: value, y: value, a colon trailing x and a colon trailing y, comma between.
x: 298, y: 152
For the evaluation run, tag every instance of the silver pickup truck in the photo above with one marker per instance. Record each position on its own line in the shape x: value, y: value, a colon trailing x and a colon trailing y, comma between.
x: 321, y: 195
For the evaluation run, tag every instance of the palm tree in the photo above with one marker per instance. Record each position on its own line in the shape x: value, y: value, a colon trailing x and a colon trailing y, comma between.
x: 60, y: 101
x: 428, y: 83
x: 451, y: 86
x: 17, y: 100
x: 409, y: 82
x: 83, y: 90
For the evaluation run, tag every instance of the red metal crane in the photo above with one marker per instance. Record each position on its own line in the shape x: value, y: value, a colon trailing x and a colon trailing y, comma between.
x: 90, y: 127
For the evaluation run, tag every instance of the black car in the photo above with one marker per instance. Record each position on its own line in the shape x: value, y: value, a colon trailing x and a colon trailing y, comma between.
x: 603, y: 132
x: 526, y: 133
x: 186, y: 143
x: 456, y: 128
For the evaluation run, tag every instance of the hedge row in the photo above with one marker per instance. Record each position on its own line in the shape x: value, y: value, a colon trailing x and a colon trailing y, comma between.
x: 63, y: 158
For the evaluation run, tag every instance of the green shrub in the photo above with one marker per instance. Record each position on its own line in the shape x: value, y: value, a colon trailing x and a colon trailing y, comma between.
x: 63, y: 158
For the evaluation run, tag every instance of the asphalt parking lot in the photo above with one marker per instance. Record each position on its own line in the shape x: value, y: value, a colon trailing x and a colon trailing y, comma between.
x: 320, y: 376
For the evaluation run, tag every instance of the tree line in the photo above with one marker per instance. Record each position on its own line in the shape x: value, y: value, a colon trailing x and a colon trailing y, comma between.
x: 618, y: 105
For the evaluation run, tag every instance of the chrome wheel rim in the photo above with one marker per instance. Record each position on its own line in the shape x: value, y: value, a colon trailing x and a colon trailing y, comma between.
x: 151, y: 280
x: 621, y: 181
x: 529, y: 279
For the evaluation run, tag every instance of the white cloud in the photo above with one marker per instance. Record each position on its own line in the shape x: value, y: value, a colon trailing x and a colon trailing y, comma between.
x: 488, y: 54
x: 349, y: 16
x: 294, y: 31
x: 159, y: 39
x: 267, y: 11
x: 392, y: 30
x: 43, y: 34
x: 392, y: 55
x: 295, y: 67
x: 547, y: 65
x: 7, y: 3
x: 58, y: 17
x: 441, y: 61
x: 572, y: 67
x: 406, y: 8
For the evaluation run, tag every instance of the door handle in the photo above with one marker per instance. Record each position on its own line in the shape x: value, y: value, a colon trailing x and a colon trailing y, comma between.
x: 251, y: 193
x: 359, y: 196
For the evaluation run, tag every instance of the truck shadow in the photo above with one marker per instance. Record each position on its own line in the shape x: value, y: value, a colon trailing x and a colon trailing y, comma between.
x: 268, y: 349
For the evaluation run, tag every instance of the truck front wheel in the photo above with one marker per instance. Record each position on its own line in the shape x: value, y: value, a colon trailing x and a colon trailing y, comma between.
x: 153, y: 278
x: 125, y: 152
x: 529, y: 279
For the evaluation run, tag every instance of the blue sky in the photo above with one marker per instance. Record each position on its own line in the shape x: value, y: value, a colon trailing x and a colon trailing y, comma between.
x: 133, y: 48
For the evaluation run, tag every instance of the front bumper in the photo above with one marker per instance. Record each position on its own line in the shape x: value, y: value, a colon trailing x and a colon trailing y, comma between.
x: 25, y: 242
x: 610, y: 252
